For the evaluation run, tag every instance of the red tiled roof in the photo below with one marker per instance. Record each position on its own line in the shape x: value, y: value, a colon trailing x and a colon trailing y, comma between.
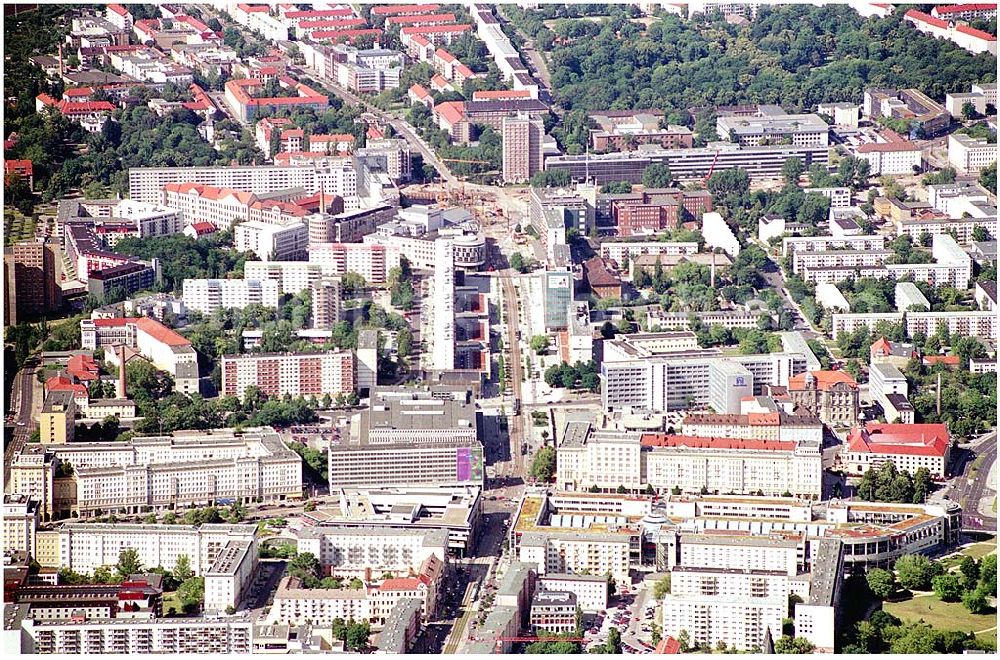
x: 437, y: 80
x: 320, y: 13
x: 464, y: 71
x: 444, y: 55
x: 256, y: 9
x: 63, y: 384
x: 436, y: 29
x: 202, y: 227
x: 422, y: 18
x: 419, y: 91
x: 401, y: 584
x: 926, y: 18
x: 112, y: 323
x: 343, y: 35
x: 947, y: 360
x: 904, y: 439
x: 887, y: 147
x: 500, y: 94
x: 292, y: 133
x: 69, y: 108
x: 19, y: 167
x: 160, y: 332
x: 332, y: 24
x: 79, y: 91
x: 973, y: 32
x: 390, y: 10
x: 375, y: 133
x: 118, y: 9
x: 958, y: 9
x: 695, y: 442
x: 824, y: 380
x: 332, y: 137
x: 452, y: 111
x: 668, y: 646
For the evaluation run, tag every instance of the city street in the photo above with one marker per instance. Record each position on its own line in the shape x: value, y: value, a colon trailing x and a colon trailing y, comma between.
x: 23, y: 416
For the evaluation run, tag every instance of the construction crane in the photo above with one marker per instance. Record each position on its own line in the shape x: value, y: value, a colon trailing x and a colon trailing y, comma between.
x: 712, y: 168
x: 499, y: 640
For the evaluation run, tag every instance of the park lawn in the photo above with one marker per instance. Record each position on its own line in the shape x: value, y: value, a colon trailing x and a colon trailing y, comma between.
x: 17, y: 227
x: 978, y: 550
x: 170, y: 599
x: 944, y: 616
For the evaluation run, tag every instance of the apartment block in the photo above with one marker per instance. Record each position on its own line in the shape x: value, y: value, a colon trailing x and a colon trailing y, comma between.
x: 591, y: 591
x: 353, y: 551
x: 20, y: 519
x: 607, y: 459
x: 186, y: 469
x: 206, y: 296
x: 522, y: 147
x: 126, y: 636
x: 776, y: 425
x: 293, y: 374
x: 85, y: 547
x: 31, y: 272
x: 284, y: 242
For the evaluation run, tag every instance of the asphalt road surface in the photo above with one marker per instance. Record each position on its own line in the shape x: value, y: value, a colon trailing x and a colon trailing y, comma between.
x: 24, y: 388
x: 970, y: 491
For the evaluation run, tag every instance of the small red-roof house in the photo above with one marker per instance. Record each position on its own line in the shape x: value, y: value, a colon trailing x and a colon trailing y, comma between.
x: 950, y: 361
x: 440, y: 84
x: 419, y: 94
x: 898, y: 354
x: 22, y: 168
x: 198, y: 230
x: 909, y: 446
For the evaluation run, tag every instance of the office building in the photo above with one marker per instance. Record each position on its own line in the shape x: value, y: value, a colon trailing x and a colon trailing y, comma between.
x: 970, y: 155
x: 889, y: 388
x: 909, y: 446
x: 620, y: 129
x: 456, y: 509
x: 164, y: 348
x: 293, y: 374
x: 755, y: 425
x: 591, y: 591
x: 686, y: 165
x: 411, y: 437
x: 522, y: 147
x: 728, y: 384
x: 206, y: 296
x: 554, y: 612
x: 774, y: 127
x: 680, y: 380
x: 557, y: 286
x: 830, y: 395
x: 912, y: 105
x: 366, y: 355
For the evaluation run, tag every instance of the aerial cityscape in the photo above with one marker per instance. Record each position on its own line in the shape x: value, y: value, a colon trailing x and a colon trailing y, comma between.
x: 645, y: 328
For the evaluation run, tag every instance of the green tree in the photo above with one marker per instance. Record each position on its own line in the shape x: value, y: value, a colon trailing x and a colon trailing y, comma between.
x: 306, y: 567
x: 539, y: 344
x: 916, y: 571
x: 657, y: 175
x: 543, y: 466
x: 357, y: 636
x: 988, y: 177
x: 182, y: 569
x: 947, y: 587
x: 881, y: 582
x: 128, y: 563
x: 797, y: 645
x: 792, y: 170
x: 517, y: 262
x: 975, y: 601
x: 617, y: 188
x: 191, y: 593
x: 662, y: 587
x: 969, y: 569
